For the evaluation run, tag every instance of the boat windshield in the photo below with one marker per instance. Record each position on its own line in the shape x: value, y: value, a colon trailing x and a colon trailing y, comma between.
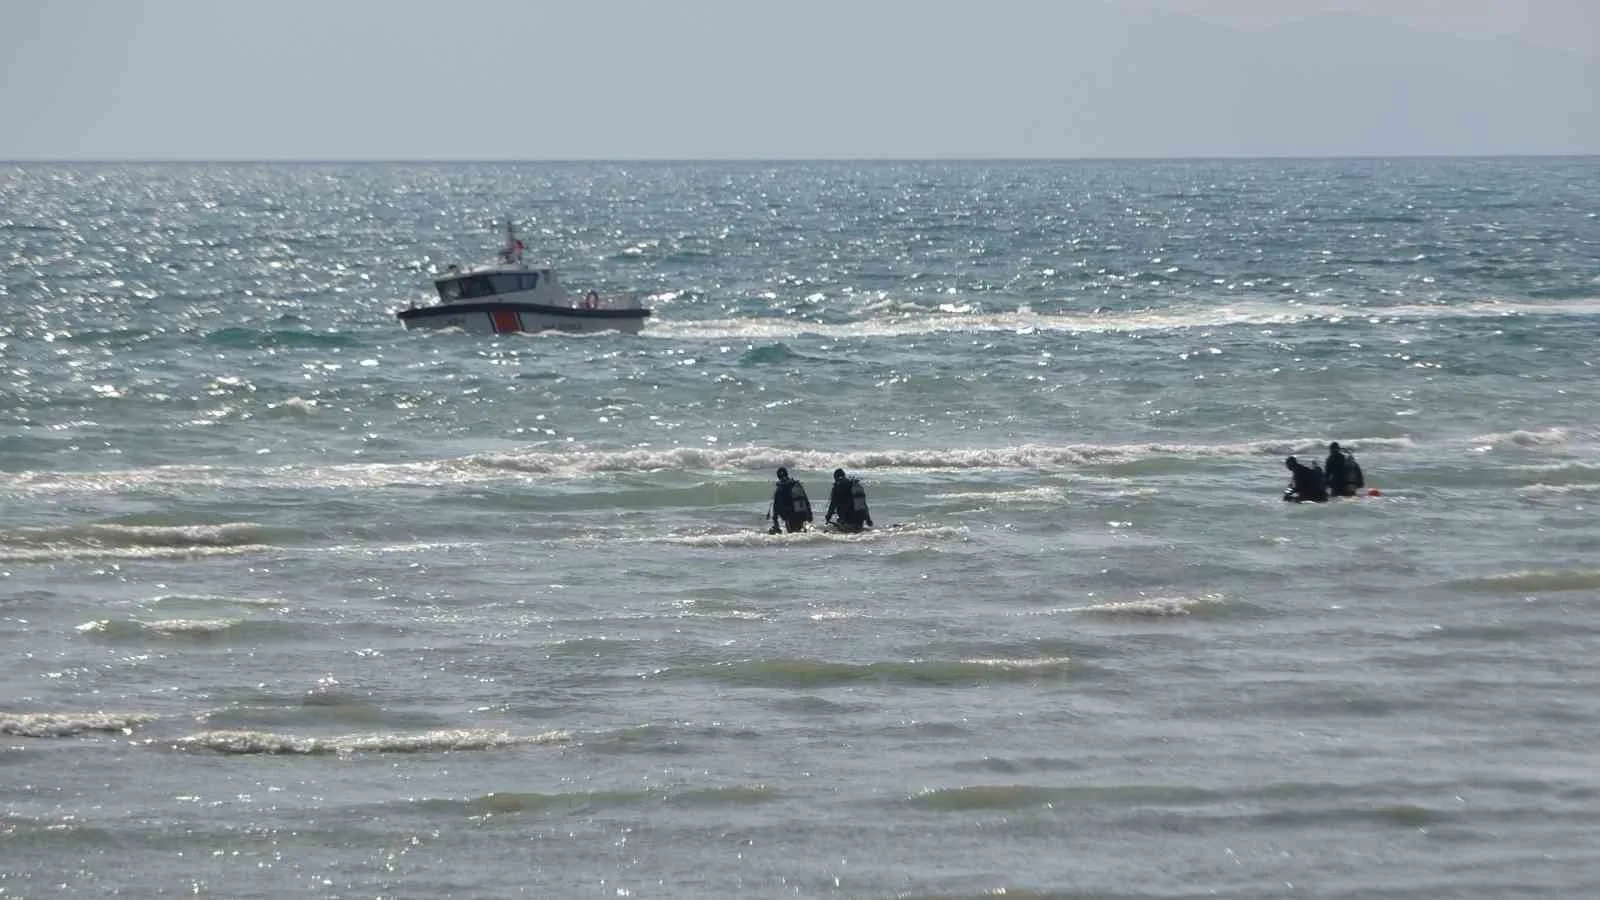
x: 471, y: 287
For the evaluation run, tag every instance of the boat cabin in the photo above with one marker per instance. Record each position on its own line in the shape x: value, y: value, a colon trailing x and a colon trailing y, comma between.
x: 479, y: 285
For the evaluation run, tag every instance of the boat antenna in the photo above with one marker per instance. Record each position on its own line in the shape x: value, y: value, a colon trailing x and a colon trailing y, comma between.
x: 512, y: 251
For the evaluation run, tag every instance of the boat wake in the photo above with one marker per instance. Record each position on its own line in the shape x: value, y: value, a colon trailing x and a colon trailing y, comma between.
x: 911, y: 320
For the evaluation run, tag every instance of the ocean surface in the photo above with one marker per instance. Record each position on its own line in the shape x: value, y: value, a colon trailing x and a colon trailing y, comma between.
x: 294, y: 602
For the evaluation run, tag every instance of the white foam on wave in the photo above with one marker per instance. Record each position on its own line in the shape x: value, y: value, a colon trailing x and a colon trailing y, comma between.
x: 1035, y: 456
x: 65, y: 554
x: 113, y: 541
x: 52, y: 725
x: 1045, y: 494
x: 1543, y: 437
x: 296, y: 404
x: 188, y: 626
x: 161, y: 627
x: 832, y: 615
x: 1153, y: 607
x: 411, y: 547
x: 764, y: 539
x: 217, y: 600
x: 443, y: 740
x: 737, y: 615
x: 1559, y: 490
x: 1040, y: 663
x: 218, y: 535
x: 570, y: 463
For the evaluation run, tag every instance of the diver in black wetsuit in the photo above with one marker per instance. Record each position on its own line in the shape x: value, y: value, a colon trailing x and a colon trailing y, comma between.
x: 847, y: 504
x: 1309, y: 482
x: 1344, y: 473
x: 790, y: 506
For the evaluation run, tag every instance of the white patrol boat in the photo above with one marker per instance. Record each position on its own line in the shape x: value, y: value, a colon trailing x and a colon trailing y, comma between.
x: 509, y: 295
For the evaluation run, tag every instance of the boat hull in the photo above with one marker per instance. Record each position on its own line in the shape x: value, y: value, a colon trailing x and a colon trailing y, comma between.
x: 501, y: 317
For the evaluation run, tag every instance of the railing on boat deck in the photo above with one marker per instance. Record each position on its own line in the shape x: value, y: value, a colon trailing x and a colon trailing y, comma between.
x: 631, y: 300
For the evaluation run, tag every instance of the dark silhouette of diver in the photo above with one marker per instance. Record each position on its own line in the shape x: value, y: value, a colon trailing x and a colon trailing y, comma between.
x: 1309, y: 482
x: 790, y: 506
x: 848, y: 501
x: 1343, y: 472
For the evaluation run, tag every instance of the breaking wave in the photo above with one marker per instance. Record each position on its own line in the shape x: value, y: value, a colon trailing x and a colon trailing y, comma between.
x: 54, y: 725
x: 1544, y: 437
x: 268, y: 743
x: 1152, y: 607
x: 1041, y: 663
x: 577, y: 462
x: 192, y: 629
x: 102, y: 541
x: 1046, y: 494
x: 216, y: 600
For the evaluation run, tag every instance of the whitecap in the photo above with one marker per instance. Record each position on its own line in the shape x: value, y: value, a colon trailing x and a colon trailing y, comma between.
x: 69, y: 724
x: 443, y: 740
x: 1150, y: 606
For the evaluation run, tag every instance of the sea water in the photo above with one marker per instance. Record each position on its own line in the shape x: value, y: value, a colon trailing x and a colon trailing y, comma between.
x: 295, y: 602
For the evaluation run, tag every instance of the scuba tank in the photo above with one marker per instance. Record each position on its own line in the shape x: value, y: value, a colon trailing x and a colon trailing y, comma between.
x: 799, y: 503
x: 858, y: 499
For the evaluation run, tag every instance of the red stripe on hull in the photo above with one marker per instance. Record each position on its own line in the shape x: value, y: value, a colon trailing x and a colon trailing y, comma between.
x: 505, y: 320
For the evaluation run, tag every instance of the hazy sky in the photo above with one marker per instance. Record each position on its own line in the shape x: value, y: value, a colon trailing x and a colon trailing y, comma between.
x: 716, y: 79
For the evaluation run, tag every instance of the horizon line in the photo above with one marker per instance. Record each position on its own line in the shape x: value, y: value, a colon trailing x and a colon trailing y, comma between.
x: 619, y: 160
